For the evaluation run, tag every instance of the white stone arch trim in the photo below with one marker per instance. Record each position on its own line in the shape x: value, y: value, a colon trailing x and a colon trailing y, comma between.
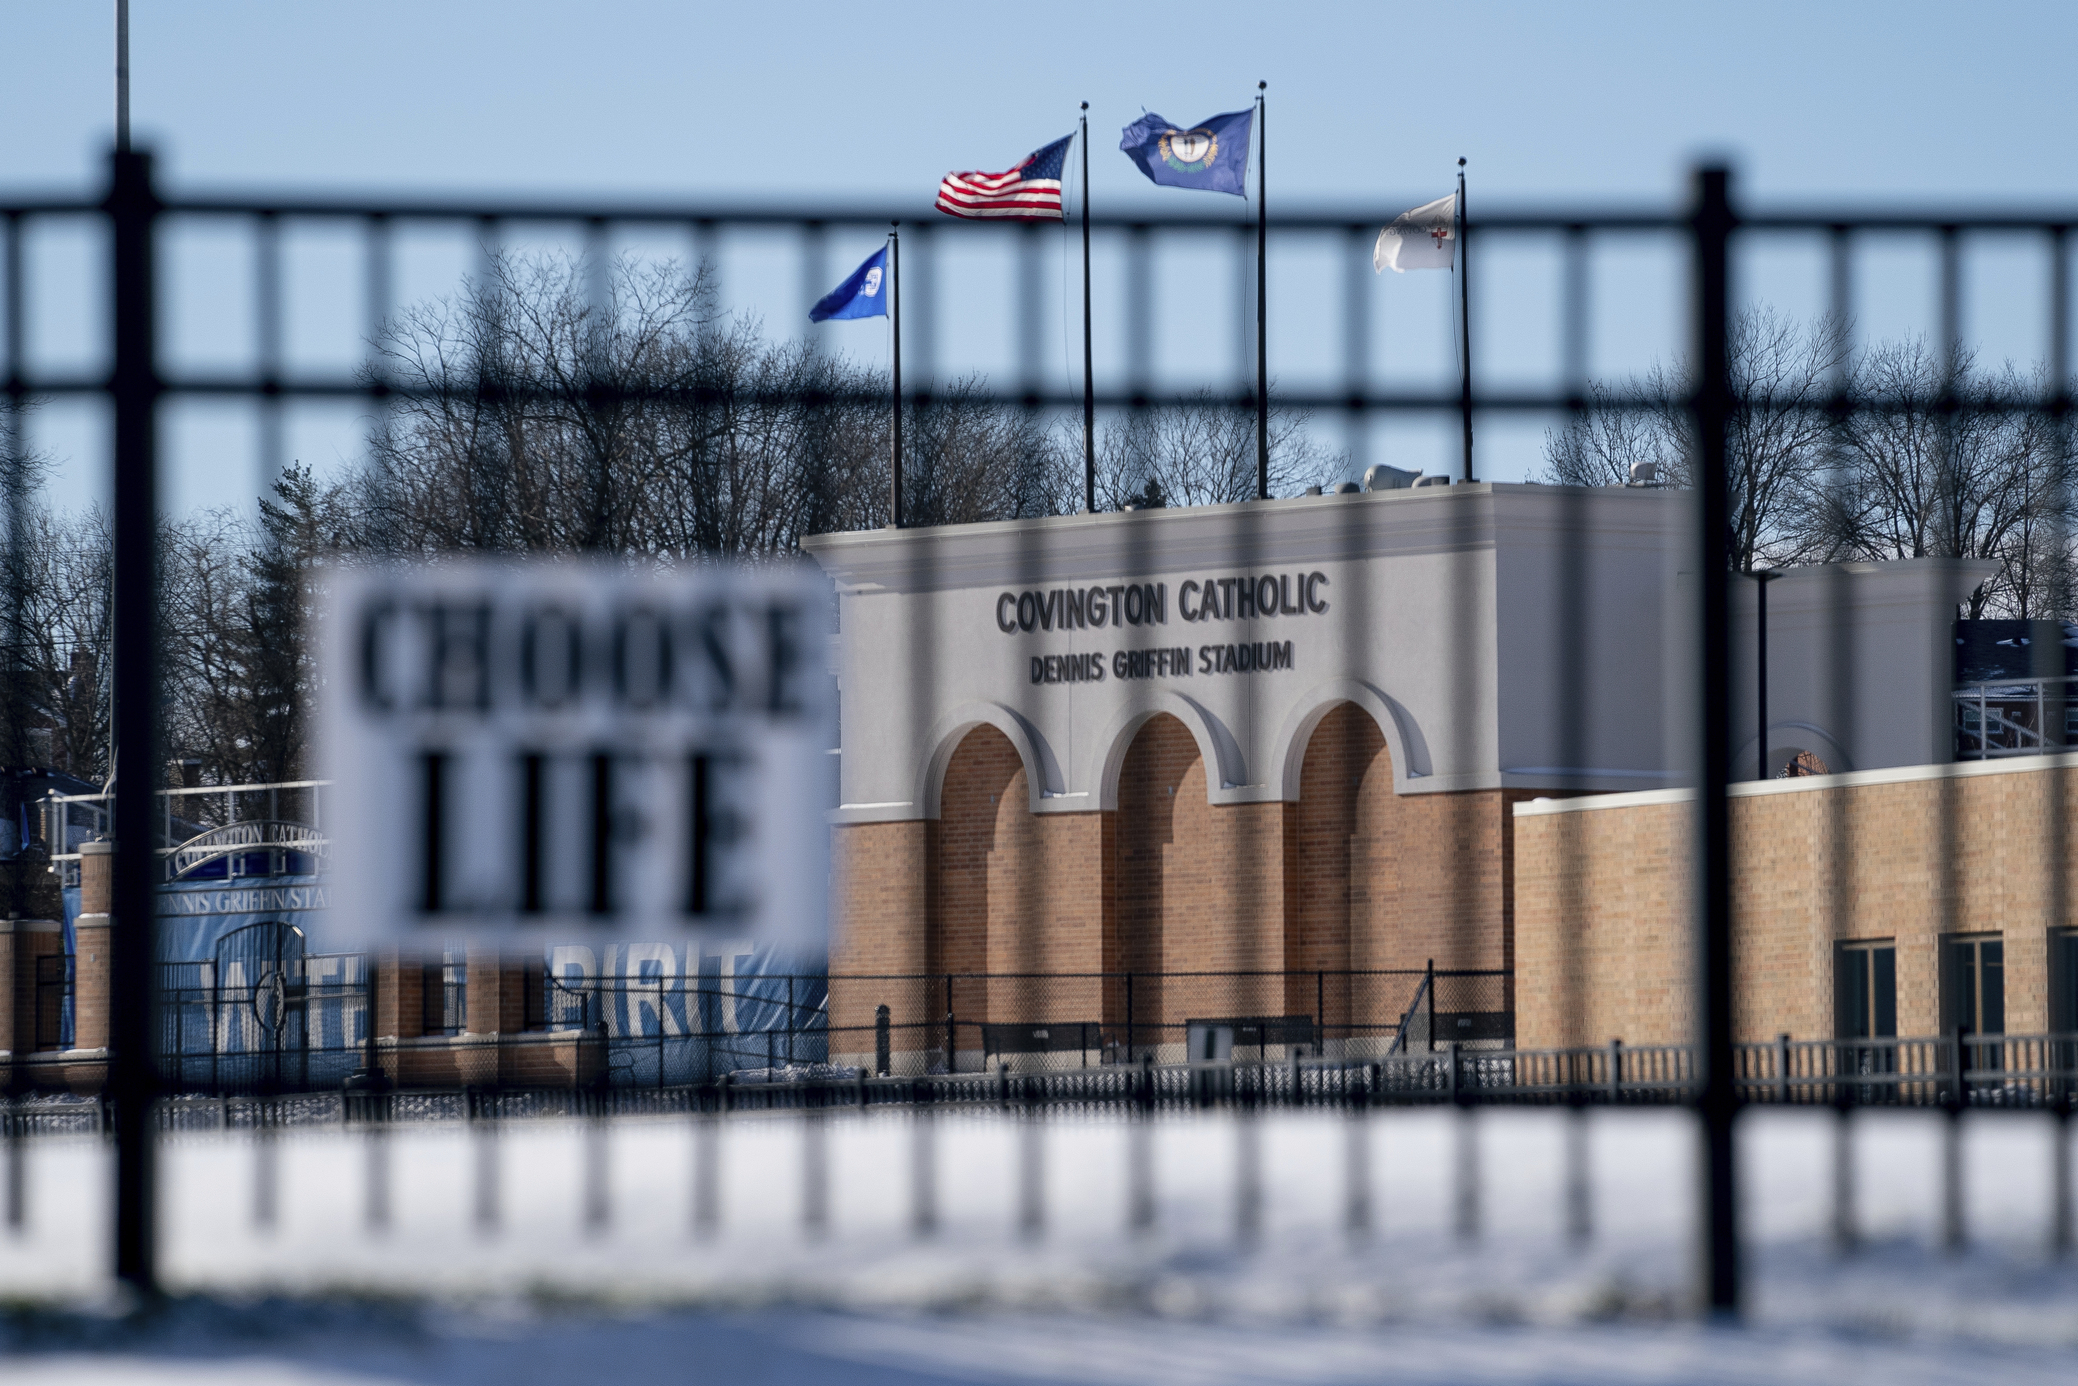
x: 1225, y: 772
x: 1784, y: 737
x: 1410, y: 751
x: 1042, y: 772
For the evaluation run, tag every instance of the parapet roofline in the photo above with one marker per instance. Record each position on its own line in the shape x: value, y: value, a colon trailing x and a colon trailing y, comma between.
x: 1249, y: 535
x: 1806, y: 784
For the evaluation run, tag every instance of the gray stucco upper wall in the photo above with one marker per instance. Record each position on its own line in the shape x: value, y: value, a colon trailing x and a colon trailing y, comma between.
x: 1499, y: 635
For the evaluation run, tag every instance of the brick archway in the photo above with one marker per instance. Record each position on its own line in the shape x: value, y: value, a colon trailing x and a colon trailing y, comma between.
x: 978, y: 809
x: 1344, y: 878
x: 1013, y: 893
x: 1201, y: 888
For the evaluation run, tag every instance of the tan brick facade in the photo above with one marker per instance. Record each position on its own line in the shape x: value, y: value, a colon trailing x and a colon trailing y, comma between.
x: 1602, y: 903
x: 22, y: 942
x: 1351, y: 876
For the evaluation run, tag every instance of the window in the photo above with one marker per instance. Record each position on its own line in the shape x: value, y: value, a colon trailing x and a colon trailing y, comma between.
x: 1865, y: 983
x: 54, y: 1001
x: 2063, y: 981
x: 1973, y: 984
x: 446, y: 996
x: 534, y: 989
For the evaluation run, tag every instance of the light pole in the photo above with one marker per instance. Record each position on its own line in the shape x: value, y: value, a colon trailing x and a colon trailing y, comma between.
x: 1762, y: 577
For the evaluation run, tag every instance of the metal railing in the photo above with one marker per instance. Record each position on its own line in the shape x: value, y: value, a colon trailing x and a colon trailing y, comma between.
x: 2015, y: 717
x: 310, y: 1087
x: 292, y: 1024
x: 188, y: 842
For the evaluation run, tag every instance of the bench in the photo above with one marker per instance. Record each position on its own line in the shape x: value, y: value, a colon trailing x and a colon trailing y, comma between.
x: 1219, y: 1038
x: 1042, y: 1037
x: 1474, y: 1025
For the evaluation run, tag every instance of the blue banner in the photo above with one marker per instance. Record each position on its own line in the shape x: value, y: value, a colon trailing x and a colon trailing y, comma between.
x: 863, y: 295
x: 1211, y: 156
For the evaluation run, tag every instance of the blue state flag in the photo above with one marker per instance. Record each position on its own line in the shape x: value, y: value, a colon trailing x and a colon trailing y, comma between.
x: 1212, y: 155
x: 863, y: 295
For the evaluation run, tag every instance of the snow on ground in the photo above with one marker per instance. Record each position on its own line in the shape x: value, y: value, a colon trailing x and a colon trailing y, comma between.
x: 546, y: 1297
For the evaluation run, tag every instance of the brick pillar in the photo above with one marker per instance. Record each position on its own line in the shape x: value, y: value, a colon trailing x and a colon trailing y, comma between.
x: 90, y: 980
x: 400, y: 1011
x: 96, y: 877
x: 485, y: 991
x: 496, y: 1010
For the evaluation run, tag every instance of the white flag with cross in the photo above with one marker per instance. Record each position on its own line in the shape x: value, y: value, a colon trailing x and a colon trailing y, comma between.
x: 1425, y: 238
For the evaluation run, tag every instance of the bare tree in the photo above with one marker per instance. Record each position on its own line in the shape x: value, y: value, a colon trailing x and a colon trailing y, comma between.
x: 564, y: 406
x: 1204, y: 452
x: 1783, y: 376
x: 1946, y: 461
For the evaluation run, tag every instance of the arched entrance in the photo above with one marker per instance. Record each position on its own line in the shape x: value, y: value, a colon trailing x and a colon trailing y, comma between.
x: 1019, y: 896
x: 1201, y: 895
x: 1345, y: 800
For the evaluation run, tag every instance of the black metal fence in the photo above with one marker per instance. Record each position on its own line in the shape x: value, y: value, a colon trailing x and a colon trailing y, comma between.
x: 1716, y: 1076
x: 278, y: 1024
x: 284, y: 1024
x: 249, y: 1091
x: 948, y: 1023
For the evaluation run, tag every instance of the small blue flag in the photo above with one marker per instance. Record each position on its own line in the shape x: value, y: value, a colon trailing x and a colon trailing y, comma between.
x: 864, y: 295
x: 1212, y: 155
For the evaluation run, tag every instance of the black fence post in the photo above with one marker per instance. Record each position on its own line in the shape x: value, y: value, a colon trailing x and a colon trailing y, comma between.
x: 1320, y: 1018
x: 1710, y: 223
x: 883, y: 1041
x: 2059, y: 1180
x: 1952, y: 1234
x: 1428, y: 989
x: 132, y: 208
x: 1129, y: 1017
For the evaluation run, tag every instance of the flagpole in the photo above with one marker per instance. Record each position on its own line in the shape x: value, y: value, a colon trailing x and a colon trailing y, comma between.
x: 122, y: 76
x: 1464, y: 289
x: 1089, y: 378
x: 894, y: 499
x: 1262, y: 296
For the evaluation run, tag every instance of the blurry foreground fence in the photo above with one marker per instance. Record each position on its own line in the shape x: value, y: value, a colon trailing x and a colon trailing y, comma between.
x: 137, y: 382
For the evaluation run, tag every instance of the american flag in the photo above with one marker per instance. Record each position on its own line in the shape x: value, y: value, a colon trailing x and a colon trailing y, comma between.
x: 1029, y: 192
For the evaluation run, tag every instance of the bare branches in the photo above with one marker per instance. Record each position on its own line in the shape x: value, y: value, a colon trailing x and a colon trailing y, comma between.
x: 1783, y: 374
x: 1203, y: 452
x: 1933, y: 459
x: 1951, y: 463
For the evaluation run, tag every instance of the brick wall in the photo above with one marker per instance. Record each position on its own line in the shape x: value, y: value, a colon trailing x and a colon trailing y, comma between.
x: 90, y: 982
x: 22, y: 942
x: 1351, y: 876
x: 90, y: 974
x: 882, y: 886
x: 1602, y: 907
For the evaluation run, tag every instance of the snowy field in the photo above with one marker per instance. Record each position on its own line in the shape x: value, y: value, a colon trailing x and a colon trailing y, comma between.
x: 1210, y: 1292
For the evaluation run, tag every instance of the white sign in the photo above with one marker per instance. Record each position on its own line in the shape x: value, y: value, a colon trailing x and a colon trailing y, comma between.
x: 568, y: 748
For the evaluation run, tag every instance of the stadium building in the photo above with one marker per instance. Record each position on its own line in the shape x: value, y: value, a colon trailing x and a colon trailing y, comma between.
x: 1286, y: 742
x: 1337, y: 774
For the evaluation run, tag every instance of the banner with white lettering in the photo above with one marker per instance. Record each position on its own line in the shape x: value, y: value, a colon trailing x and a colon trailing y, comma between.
x: 562, y: 749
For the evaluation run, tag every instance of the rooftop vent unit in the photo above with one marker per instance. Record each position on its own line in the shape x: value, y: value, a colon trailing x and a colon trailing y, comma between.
x: 1384, y: 478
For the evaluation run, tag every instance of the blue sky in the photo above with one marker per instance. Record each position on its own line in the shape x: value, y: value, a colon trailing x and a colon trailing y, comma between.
x: 1370, y: 105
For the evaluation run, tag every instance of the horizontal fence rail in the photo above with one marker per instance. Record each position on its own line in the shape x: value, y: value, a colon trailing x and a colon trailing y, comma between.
x: 2018, y: 1072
